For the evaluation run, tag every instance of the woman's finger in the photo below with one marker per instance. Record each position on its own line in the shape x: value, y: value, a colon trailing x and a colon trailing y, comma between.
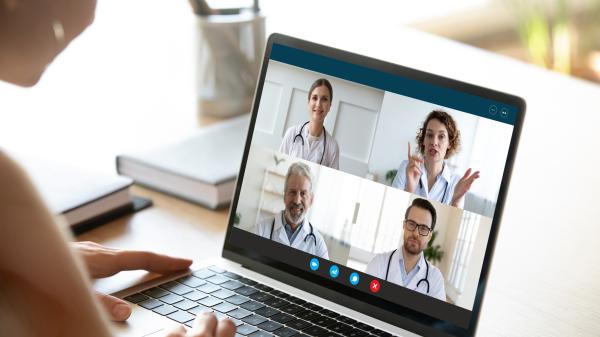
x: 225, y: 328
x: 118, y: 310
x: 205, y: 325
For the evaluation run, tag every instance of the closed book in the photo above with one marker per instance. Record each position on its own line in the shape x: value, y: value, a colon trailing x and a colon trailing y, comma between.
x: 200, y: 167
x: 83, y: 198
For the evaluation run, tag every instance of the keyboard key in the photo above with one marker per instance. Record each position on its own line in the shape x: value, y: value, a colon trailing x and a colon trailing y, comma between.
x: 203, y: 273
x: 298, y: 301
x: 260, y: 334
x: 217, y: 279
x: 217, y: 270
x: 245, y: 329
x: 314, y: 331
x: 232, y: 285
x: 260, y: 296
x: 291, y: 309
x: 308, y: 315
x: 136, y: 298
x: 285, y: 332
x: 224, y: 307
x: 239, y: 313
x: 339, y: 327
x: 210, y: 301
x: 177, y: 288
x: 171, y: 298
x: 254, y: 319
x: 329, y: 313
x: 247, y: 281
x: 237, y: 322
x: 267, y: 312
x: 330, y: 334
x: 156, y: 292
x: 263, y: 287
x: 150, y: 303
x: 164, y: 310
x: 222, y: 293
x: 232, y: 276
x: 356, y: 333
x: 185, y: 305
x: 323, y: 321
x: 237, y: 299
x: 208, y: 288
x: 347, y: 320
x: 195, y: 295
x: 181, y: 316
x: 269, y: 326
x: 364, y: 326
x: 191, y: 281
x: 252, y: 305
x: 279, y: 293
x: 246, y: 291
x: 311, y: 306
x: 298, y: 324
x: 199, y: 309
x: 282, y: 318
x: 381, y: 333
x: 276, y: 302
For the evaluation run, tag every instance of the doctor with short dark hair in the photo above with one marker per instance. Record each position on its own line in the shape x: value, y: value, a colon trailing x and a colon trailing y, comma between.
x: 407, y: 265
x: 290, y: 226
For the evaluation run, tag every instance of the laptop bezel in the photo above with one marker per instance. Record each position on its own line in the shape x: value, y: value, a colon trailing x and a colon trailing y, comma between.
x: 402, y: 317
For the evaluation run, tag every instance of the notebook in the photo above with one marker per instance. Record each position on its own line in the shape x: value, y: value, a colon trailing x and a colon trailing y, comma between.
x: 368, y: 202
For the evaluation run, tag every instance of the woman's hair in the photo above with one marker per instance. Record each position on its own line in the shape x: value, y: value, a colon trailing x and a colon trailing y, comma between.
x: 449, y: 123
x: 321, y: 82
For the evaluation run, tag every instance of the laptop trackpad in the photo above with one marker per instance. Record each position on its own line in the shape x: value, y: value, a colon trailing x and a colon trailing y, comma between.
x: 144, y: 322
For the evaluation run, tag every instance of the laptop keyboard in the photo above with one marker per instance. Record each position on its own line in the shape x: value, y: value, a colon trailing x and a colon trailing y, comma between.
x: 256, y: 309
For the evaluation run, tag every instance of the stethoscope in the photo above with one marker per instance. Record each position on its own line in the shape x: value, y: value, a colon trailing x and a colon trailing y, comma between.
x: 305, y: 238
x: 302, y: 140
x: 421, y: 280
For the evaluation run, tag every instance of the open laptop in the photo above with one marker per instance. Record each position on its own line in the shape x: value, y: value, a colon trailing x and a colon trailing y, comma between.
x: 344, y: 273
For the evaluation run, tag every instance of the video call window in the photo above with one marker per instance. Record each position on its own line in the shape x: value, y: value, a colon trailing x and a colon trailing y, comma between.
x: 349, y: 163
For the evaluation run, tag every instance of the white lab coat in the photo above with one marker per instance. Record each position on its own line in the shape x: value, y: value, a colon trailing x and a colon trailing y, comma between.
x: 442, y: 190
x: 304, y: 241
x: 312, y: 152
x: 379, y: 264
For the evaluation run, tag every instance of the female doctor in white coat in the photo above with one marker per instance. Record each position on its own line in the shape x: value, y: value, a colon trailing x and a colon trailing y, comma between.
x: 290, y: 226
x: 310, y: 140
x: 406, y: 266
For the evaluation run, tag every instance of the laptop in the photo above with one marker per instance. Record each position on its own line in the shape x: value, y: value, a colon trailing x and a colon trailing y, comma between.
x: 368, y: 204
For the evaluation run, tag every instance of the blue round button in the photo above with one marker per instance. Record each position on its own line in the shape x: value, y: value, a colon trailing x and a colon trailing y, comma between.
x: 334, y: 271
x: 314, y: 263
x: 354, y: 278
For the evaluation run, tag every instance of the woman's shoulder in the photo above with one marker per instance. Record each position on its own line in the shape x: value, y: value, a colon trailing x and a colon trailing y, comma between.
x: 13, y: 179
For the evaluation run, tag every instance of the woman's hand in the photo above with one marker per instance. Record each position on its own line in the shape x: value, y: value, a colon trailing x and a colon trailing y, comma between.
x: 102, y: 261
x: 463, y: 186
x: 413, y: 171
x: 206, y: 325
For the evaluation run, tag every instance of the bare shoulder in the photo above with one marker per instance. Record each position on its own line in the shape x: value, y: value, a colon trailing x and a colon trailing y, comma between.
x: 14, y: 181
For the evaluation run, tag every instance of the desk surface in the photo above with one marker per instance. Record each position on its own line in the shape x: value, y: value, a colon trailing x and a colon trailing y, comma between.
x: 123, y: 75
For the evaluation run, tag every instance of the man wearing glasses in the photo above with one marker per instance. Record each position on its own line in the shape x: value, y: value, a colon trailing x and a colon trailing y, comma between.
x: 406, y: 266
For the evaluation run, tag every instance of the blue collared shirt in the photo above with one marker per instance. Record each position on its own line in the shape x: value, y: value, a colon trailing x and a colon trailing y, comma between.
x: 292, y: 234
x: 407, y: 277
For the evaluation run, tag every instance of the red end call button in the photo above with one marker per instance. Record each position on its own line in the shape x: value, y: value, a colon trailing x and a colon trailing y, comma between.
x: 374, y: 286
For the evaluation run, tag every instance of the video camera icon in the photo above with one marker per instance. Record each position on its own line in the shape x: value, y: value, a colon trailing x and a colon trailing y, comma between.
x: 314, y: 264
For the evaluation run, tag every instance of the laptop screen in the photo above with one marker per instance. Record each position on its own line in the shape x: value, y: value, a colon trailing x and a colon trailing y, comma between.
x: 375, y: 181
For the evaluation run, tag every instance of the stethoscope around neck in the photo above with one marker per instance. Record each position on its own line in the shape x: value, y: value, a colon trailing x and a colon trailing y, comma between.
x: 311, y: 234
x: 299, y: 134
x: 421, y: 280
x: 445, y: 188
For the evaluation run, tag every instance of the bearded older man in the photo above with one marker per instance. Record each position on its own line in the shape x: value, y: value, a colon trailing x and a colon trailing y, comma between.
x: 290, y: 226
